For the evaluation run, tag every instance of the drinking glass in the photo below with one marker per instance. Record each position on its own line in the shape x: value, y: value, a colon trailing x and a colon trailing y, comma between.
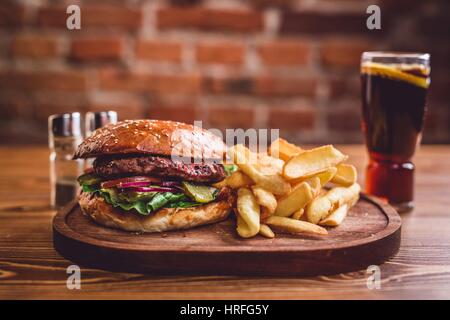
x: 394, y: 89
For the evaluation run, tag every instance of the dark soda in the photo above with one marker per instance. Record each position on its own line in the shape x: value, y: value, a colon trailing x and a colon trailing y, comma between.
x: 393, y: 103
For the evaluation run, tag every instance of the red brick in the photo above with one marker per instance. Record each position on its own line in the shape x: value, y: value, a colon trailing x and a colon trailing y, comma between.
x: 11, y: 14
x: 183, y: 113
x: 283, y: 4
x: 93, y: 16
x: 292, y: 118
x: 34, y: 46
x: 15, y: 105
x: 324, y: 22
x: 285, y: 52
x: 97, y: 49
x: 221, y: 52
x: 126, y: 110
x: 22, y: 132
x: 228, y: 85
x: 347, y: 84
x: 231, y: 117
x: 155, y: 83
x: 343, y: 52
x: 44, y: 80
x: 209, y: 19
x: 159, y: 50
x: 285, y: 86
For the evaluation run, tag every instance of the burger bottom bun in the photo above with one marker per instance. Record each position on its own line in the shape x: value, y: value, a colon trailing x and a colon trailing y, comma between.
x: 95, y: 207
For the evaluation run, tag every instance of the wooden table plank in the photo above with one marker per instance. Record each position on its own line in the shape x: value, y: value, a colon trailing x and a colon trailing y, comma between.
x: 30, y: 268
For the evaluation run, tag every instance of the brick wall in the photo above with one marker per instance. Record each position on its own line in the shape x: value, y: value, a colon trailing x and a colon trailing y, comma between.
x: 282, y: 64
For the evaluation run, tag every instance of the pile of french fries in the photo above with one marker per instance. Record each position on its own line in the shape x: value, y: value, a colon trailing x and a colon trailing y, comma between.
x: 284, y: 189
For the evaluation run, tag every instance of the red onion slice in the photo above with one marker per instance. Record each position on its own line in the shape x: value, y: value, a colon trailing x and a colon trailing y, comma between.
x: 134, y: 184
x: 154, y: 189
x: 120, y: 182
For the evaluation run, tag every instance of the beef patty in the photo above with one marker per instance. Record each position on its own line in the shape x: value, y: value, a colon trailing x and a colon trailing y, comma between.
x: 109, y: 167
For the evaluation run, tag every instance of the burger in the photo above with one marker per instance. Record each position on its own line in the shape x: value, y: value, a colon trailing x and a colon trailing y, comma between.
x: 153, y: 176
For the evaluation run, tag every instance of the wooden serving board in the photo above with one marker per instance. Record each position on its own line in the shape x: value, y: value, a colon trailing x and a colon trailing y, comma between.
x: 370, y: 234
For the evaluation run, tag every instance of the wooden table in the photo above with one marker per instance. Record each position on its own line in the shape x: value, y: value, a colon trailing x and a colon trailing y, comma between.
x: 30, y: 267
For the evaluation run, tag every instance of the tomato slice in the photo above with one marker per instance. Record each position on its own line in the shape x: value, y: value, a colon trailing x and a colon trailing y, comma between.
x: 119, y: 182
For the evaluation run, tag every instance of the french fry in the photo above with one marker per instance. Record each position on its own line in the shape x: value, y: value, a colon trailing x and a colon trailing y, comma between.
x: 324, y: 176
x: 272, y: 183
x: 284, y: 150
x: 284, y: 189
x: 248, y: 218
x: 268, y: 165
x: 295, y: 226
x: 265, y: 231
x: 265, y: 198
x: 314, y: 183
x: 243, y: 229
x: 298, y: 214
x: 321, y: 206
x: 220, y: 184
x: 336, y: 217
x: 295, y: 200
x: 236, y: 180
x: 341, y: 195
x: 346, y: 175
x: 312, y: 162
x: 318, y: 209
x: 275, y: 184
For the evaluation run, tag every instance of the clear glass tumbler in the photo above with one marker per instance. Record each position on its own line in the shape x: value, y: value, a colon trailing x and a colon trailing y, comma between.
x: 394, y: 89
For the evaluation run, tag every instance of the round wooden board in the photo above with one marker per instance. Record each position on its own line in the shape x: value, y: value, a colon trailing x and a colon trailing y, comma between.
x: 369, y: 235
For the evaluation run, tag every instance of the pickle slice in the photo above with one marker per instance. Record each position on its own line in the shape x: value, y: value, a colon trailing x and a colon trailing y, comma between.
x: 135, y: 196
x: 88, y: 179
x: 199, y: 193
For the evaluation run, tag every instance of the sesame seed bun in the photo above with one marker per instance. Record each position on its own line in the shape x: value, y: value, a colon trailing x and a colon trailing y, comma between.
x: 157, y: 137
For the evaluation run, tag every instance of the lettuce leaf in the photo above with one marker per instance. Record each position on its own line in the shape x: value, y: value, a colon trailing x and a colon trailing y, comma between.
x: 230, y: 168
x: 145, y: 207
x: 89, y: 188
x: 142, y: 203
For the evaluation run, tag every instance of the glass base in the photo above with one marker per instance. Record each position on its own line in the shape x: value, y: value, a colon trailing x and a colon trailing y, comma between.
x: 403, y: 207
x: 393, y: 181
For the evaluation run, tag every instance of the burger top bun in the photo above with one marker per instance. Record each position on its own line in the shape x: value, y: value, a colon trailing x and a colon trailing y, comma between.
x: 157, y: 137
